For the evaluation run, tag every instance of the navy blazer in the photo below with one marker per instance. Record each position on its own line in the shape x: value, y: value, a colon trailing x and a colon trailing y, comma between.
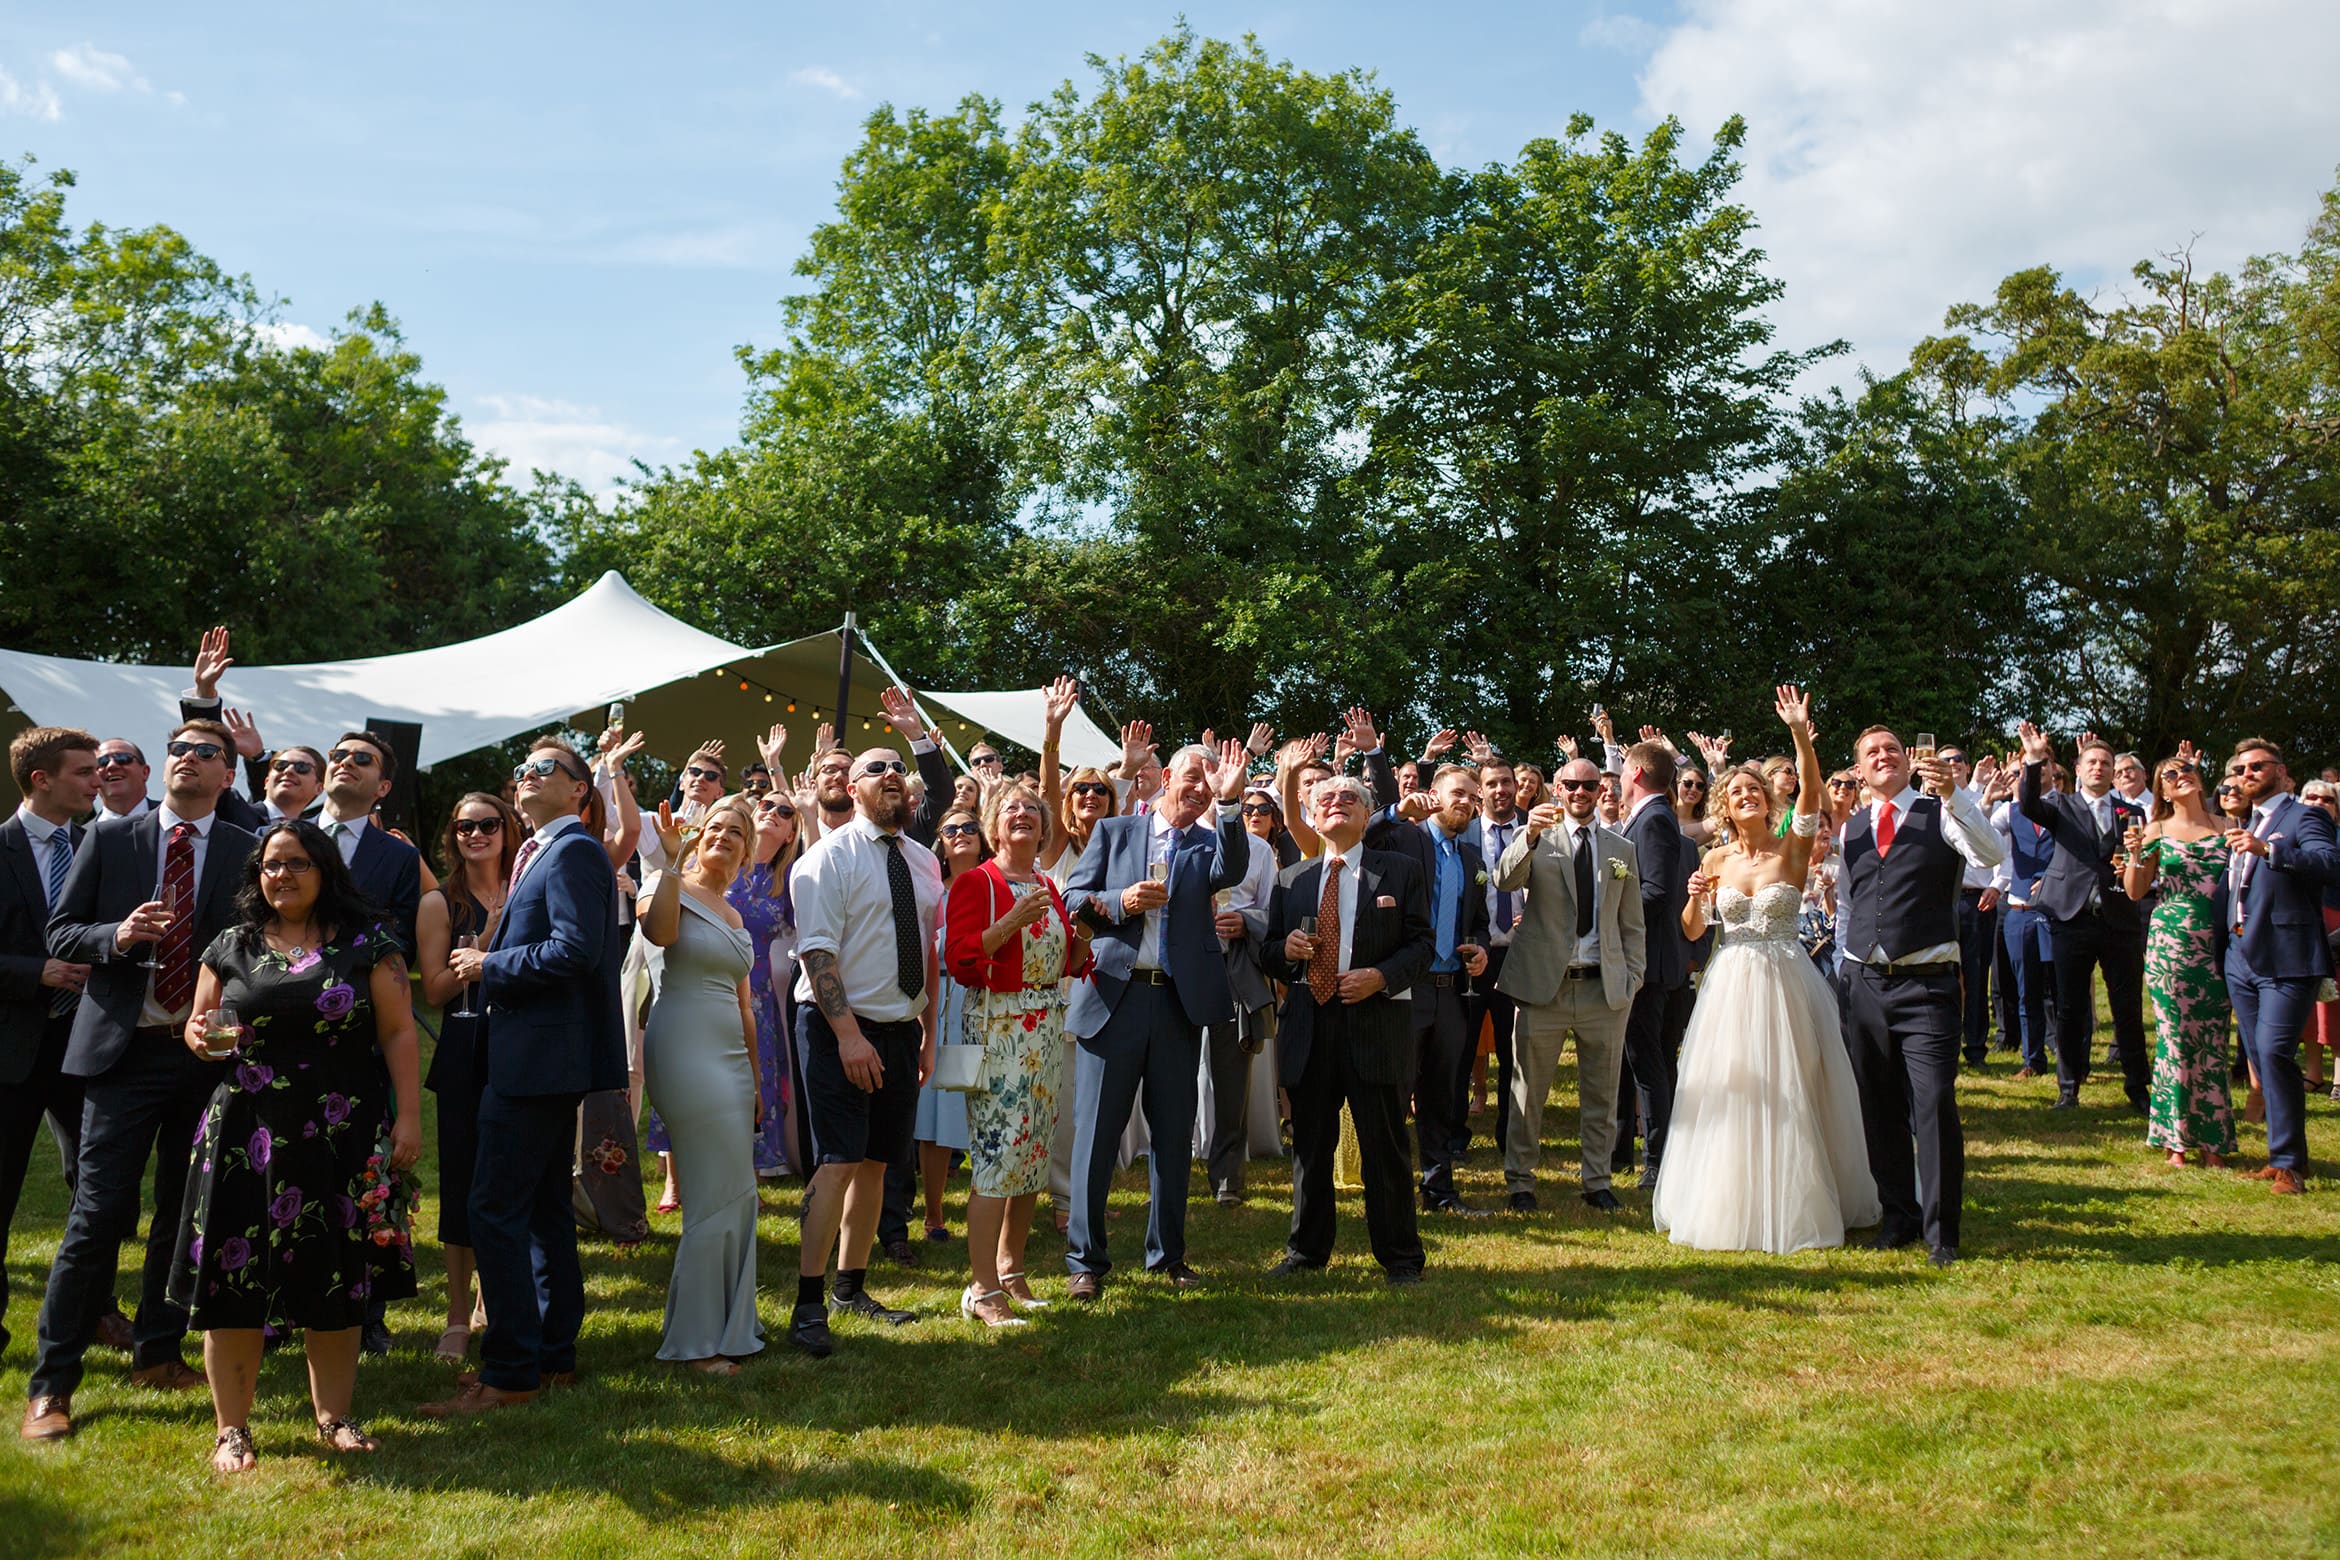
x: 1396, y: 939
x: 2083, y: 860
x: 24, y: 951
x: 2282, y: 910
x: 115, y: 872
x: 389, y: 872
x: 550, y: 978
x: 1666, y: 864
x: 1388, y: 832
x: 1201, y: 864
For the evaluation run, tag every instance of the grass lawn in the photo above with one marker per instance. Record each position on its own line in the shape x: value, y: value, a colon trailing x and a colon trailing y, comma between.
x: 2130, y: 1361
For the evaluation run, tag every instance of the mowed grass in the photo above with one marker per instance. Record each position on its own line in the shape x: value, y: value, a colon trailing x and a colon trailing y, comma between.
x: 2130, y: 1361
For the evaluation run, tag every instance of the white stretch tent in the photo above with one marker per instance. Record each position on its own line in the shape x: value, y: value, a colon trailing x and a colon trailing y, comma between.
x: 681, y: 687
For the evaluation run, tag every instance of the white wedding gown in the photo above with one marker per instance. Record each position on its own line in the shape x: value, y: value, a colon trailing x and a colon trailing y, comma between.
x: 1766, y: 1151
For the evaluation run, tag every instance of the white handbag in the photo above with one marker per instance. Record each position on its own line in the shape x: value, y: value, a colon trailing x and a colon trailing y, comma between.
x: 958, y: 1068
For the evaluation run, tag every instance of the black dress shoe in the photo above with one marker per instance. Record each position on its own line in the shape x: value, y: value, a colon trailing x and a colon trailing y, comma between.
x: 1942, y: 1256
x: 375, y: 1339
x: 2139, y: 1108
x: 871, y: 1308
x: 808, y: 1329
x: 1085, y: 1287
x: 1891, y: 1239
x: 1178, y: 1275
x: 1523, y: 1202
x: 1402, y: 1276
x: 2068, y: 1100
x: 1449, y: 1203
x: 1228, y: 1197
x: 1604, y: 1200
x: 1291, y: 1265
x: 903, y: 1252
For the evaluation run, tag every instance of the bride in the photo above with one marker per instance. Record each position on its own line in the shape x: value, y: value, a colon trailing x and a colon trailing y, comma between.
x: 1767, y: 1152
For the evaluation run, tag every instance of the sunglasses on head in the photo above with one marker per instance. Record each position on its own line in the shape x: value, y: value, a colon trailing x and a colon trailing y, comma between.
x: 363, y: 758
x: 466, y: 827
x: 117, y: 760
x: 883, y: 766
x: 291, y: 766
x: 1580, y: 785
x: 203, y: 750
x: 696, y: 773
x: 543, y: 768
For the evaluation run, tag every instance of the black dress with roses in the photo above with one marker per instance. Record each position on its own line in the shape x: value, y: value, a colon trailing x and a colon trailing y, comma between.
x: 292, y: 1217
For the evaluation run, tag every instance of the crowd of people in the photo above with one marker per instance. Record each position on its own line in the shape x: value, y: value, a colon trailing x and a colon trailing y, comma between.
x: 1769, y: 975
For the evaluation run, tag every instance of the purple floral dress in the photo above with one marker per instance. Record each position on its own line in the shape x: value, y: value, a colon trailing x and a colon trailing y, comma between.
x: 772, y: 929
x: 287, y: 1217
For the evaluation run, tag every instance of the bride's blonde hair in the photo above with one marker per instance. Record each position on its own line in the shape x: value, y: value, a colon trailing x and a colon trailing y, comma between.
x: 1718, y: 802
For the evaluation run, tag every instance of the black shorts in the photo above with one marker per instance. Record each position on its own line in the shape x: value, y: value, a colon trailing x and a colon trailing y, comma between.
x: 850, y: 1124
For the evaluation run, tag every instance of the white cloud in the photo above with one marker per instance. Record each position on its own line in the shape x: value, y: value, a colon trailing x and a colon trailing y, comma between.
x: 289, y: 336
x: 86, y: 65
x: 38, y: 101
x: 1625, y: 34
x: 827, y: 80
x: 541, y: 433
x: 1904, y: 158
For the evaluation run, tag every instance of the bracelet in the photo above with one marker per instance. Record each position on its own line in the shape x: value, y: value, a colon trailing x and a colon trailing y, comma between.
x: 1807, y: 824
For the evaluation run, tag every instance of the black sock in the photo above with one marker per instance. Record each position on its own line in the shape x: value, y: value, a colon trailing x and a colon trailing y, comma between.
x: 808, y: 1290
x: 849, y: 1282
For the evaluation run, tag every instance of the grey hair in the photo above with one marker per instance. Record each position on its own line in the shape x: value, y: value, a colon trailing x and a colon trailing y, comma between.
x: 1197, y: 750
x: 1350, y: 784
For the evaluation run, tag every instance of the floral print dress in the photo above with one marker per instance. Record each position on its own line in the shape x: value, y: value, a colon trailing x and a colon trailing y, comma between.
x: 1012, y: 1117
x: 2191, y: 1105
x: 771, y: 926
x: 293, y: 1216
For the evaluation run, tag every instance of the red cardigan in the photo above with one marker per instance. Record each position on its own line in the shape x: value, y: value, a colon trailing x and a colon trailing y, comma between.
x: 977, y: 899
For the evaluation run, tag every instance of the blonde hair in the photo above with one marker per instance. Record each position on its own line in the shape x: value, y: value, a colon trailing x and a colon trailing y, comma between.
x: 1718, y: 812
x: 1074, y: 830
x: 744, y: 810
x: 1001, y: 796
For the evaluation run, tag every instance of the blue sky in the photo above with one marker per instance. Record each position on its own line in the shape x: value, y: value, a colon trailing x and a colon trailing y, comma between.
x: 577, y: 212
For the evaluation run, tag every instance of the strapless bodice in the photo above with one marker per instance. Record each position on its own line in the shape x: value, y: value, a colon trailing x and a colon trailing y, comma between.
x: 1767, y: 915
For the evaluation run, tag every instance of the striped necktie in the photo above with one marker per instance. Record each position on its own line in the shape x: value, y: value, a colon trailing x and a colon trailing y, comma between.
x: 60, y: 862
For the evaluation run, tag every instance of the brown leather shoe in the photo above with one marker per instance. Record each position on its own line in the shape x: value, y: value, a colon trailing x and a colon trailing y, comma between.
x: 2287, y: 1183
x: 2026, y: 1072
x: 170, y: 1376
x: 47, y: 1418
x: 1085, y: 1287
x: 2263, y: 1173
x: 114, y: 1331
x: 477, y: 1398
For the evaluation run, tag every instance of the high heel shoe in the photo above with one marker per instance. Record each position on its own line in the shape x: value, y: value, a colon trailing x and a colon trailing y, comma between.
x: 1019, y: 1291
x: 453, y: 1346
x: 988, y: 1306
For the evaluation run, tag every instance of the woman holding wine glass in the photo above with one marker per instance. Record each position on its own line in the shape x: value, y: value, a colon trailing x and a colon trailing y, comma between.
x: 476, y: 850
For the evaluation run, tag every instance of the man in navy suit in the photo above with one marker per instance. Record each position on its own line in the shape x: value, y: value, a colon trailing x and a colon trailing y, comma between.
x: 1665, y: 860
x: 387, y: 870
x: 2093, y: 922
x: 1160, y: 979
x: 55, y: 768
x: 553, y: 1035
x: 1374, y: 943
x: 142, y: 1090
x: 2277, y: 955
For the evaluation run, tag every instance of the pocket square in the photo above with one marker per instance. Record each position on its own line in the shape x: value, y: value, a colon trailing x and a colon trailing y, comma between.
x: 1385, y: 902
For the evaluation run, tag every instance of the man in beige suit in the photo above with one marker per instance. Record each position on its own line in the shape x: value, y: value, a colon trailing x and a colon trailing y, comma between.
x: 1577, y: 958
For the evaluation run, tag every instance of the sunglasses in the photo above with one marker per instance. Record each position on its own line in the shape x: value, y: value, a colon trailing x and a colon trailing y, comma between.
x: 2175, y: 772
x: 883, y: 766
x: 776, y: 809
x: 291, y: 766
x: 1580, y: 785
x: 358, y: 756
x: 543, y: 768
x: 1092, y: 788
x: 1693, y: 785
x: 984, y: 760
x: 1258, y: 810
x: 2230, y: 790
x: 1844, y: 785
x: 696, y: 773
x: 206, y: 751
x: 959, y: 831
x: 118, y: 760
x: 2255, y: 766
x: 466, y: 827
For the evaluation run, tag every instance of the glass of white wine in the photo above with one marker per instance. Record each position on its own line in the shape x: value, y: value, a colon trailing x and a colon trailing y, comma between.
x: 223, y: 1034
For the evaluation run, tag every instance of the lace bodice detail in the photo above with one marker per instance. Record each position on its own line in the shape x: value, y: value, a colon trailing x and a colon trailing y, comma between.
x: 1767, y: 915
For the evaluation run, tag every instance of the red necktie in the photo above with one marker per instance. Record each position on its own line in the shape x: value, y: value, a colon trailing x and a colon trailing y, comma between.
x: 1884, y: 828
x: 174, y: 980
x: 1324, y: 965
x: 520, y: 863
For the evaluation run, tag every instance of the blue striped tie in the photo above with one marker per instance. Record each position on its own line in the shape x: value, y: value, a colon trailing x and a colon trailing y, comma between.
x: 60, y: 862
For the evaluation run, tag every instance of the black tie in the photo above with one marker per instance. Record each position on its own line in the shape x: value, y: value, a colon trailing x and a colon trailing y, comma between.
x: 1584, y: 881
x: 909, y: 941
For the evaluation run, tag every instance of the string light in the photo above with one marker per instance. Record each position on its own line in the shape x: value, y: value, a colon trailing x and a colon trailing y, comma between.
x: 791, y: 706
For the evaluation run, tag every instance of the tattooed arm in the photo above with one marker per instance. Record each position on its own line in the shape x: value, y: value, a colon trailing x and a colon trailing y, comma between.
x: 854, y: 1052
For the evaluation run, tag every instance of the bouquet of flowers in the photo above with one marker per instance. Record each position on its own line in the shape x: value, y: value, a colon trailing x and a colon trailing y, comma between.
x: 389, y: 1201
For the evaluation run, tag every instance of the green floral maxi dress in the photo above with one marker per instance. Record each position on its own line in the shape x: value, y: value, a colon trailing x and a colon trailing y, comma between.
x: 2192, y: 1106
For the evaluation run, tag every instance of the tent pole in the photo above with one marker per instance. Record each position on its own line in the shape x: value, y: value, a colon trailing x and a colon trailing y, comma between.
x: 933, y: 727
x: 844, y: 673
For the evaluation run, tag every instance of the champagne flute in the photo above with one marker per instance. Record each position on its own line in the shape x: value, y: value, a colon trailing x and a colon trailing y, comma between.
x: 1308, y: 930
x: 467, y: 940
x: 172, y: 898
x: 1158, y: 872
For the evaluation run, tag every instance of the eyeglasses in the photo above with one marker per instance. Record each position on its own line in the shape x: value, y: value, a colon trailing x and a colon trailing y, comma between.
x: 287, y: 868
x: 466, y: 827
x: 959, y: 831
x: 291, y: 766
x: 207, y: 751
x: 1092, y: 788
x: 1580, y: 785
x: 543, y: 768
x: 118, y: 760
x: 696, y: 773
x: 883, y: 766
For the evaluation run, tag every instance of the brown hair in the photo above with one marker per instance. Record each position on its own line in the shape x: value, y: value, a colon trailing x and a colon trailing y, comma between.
x: 451, y: 859
x: 1656, y: 762
x: 39, y: 750
x: 982, y: 839
x: 1718, y: 801
x: 1866, y: 732
x: 380, y: 744
x: 2273, y: 750
x: 212, y: 729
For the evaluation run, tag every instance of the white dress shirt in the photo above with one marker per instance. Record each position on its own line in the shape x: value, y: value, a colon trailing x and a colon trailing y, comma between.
x: 154, y: 1013
x: 845, y: 906
x: 1160, y: 841
x: 1345, y: 892
x: 344, y: 833
x: 1969, y: 833
x: 1588, y: 947
x: 1978, y: 877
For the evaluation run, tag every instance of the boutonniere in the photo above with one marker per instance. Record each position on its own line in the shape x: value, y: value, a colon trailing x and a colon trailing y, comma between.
x: 1480, y: 880
x: 1617, y: 869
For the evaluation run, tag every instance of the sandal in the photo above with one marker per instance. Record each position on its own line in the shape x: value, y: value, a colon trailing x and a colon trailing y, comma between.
x: 714, y: 1365
x: 345, y: 1435
x: 671, y: 1202
x: 1019, y: 1290
x: 454, y: 1346
x: 988, y: 1306
x: 234, y: 1444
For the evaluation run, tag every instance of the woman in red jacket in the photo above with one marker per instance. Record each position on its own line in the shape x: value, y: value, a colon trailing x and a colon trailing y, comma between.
x: 1009, y: 942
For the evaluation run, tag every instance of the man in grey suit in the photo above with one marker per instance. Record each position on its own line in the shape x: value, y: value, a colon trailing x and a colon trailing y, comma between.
x: 1577, y: 959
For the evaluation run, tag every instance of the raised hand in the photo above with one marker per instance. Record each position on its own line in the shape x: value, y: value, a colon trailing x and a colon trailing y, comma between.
x: 1439, y: 744
x: 1137, y: 743
x: 1481, y: 750
x: 902, y: 712
x: 1058, y: 700
x: 1541, y: 817
x: 1263, y: 737
x: 670, y: 834
x: 2189, y: 755
x: 770, y: 745
x: 713, y: 748
x: 824, y: 738
x: 211, y: 662
x: 1986, y: 769
x: 2037, y: 749
x: 1363, y: 735
x: 615, y: 759
x: 1795, y: 710
x: 1414, y: 806
x: 1567, y: 747
x: 1225, y: 775
x: 1714, y: 750
x: 242, y: 732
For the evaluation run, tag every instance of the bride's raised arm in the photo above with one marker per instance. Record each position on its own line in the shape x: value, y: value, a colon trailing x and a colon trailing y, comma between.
x: 1795, y: 709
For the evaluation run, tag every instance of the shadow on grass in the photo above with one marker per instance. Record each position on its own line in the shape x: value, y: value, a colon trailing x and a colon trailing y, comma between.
x: 38, y: 1525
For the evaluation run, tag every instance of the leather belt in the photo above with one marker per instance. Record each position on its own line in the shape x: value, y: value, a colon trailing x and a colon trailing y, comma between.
x: 1446, y: 978
x: 1149, y: 977
x: 1939, y: 967
x: 1582, y: 972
